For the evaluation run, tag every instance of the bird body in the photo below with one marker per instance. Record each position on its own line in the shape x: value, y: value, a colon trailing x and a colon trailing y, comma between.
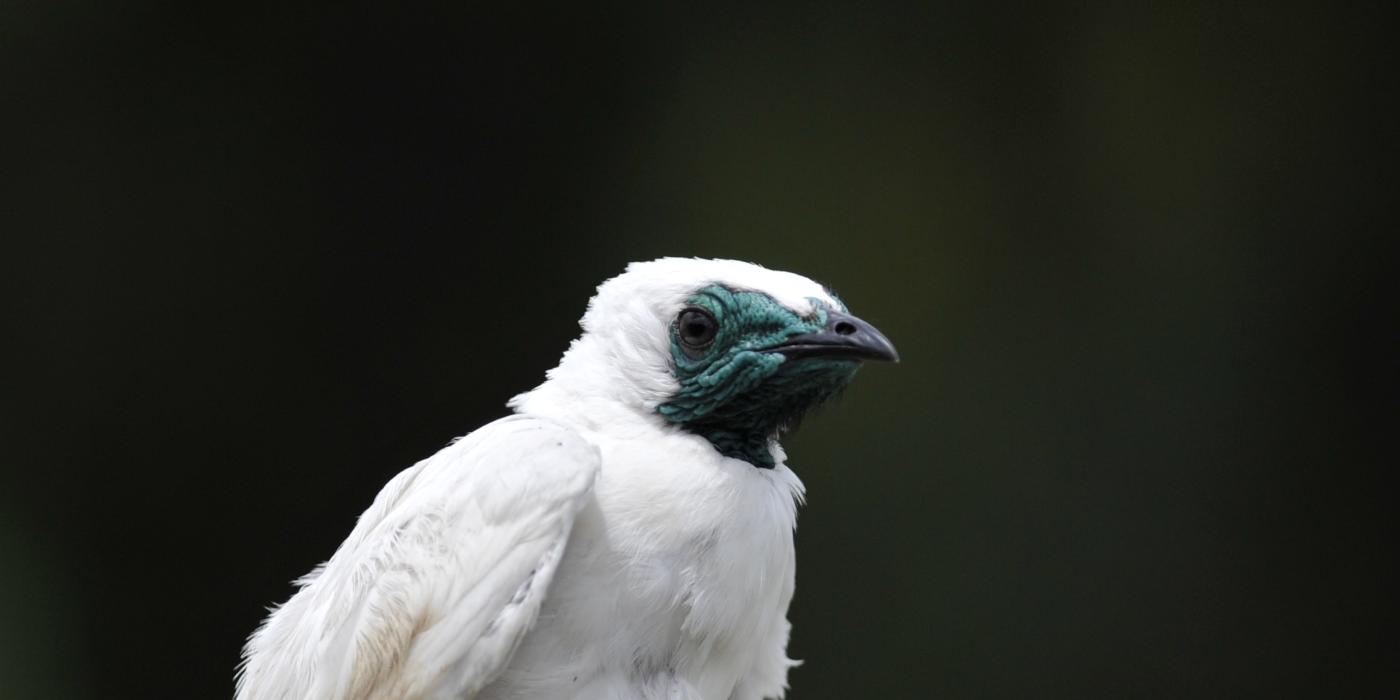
x: 674, y: 584
x: 627, y: 534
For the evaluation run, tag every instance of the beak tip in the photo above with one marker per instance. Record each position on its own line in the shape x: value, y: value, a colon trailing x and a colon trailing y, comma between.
x: 890, y: 354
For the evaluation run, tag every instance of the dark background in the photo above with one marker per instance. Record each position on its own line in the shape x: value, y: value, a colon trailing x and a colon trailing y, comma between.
x: 1138, y: 263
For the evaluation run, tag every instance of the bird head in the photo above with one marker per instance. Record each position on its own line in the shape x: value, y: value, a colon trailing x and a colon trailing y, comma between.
x: 727, y: 350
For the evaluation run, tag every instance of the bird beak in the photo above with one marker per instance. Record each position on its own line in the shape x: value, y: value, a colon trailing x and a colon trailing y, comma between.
x: 845, y: 336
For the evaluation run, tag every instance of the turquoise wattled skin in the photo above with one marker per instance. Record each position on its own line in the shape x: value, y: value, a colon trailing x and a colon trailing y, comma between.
x: 739, y: 394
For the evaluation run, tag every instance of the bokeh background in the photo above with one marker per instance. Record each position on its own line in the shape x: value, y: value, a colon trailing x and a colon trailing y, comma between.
x: 1139, y: 263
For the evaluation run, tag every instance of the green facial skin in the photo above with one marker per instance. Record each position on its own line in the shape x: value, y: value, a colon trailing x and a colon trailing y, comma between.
x: 736, y: 395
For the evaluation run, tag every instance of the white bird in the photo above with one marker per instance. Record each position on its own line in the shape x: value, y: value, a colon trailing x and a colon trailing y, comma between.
x: 627, y: 534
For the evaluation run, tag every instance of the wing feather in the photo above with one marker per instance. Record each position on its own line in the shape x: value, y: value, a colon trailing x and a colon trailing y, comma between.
x: 440, y: 579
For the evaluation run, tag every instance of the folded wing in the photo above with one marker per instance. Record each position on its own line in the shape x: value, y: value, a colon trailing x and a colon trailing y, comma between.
x: 441, y: 577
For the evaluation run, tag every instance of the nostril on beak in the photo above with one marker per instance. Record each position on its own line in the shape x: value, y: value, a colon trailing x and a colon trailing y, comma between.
x: 844, y: 328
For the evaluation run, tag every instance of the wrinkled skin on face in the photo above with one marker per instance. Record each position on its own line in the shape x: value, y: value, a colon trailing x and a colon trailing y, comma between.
x: 737, y: 392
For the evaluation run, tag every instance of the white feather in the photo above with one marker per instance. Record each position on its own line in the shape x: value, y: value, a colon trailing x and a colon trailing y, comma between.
x: 584, y: 549
x: 441, y: 577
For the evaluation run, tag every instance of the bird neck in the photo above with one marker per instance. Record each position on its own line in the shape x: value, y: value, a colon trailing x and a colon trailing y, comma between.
x: 755, y: 446
x: 591, y: 391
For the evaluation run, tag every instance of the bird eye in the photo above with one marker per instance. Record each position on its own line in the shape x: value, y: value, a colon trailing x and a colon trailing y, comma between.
x: 696, y: 328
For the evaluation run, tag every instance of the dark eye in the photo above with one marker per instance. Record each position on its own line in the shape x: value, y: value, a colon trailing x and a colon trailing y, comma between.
x: 696, y: 328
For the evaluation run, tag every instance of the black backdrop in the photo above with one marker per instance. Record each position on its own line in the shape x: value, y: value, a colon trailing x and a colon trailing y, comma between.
x: 1138, y: 263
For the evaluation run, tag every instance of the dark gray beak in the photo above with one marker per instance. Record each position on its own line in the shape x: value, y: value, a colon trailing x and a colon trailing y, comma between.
x: 845, y: 336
